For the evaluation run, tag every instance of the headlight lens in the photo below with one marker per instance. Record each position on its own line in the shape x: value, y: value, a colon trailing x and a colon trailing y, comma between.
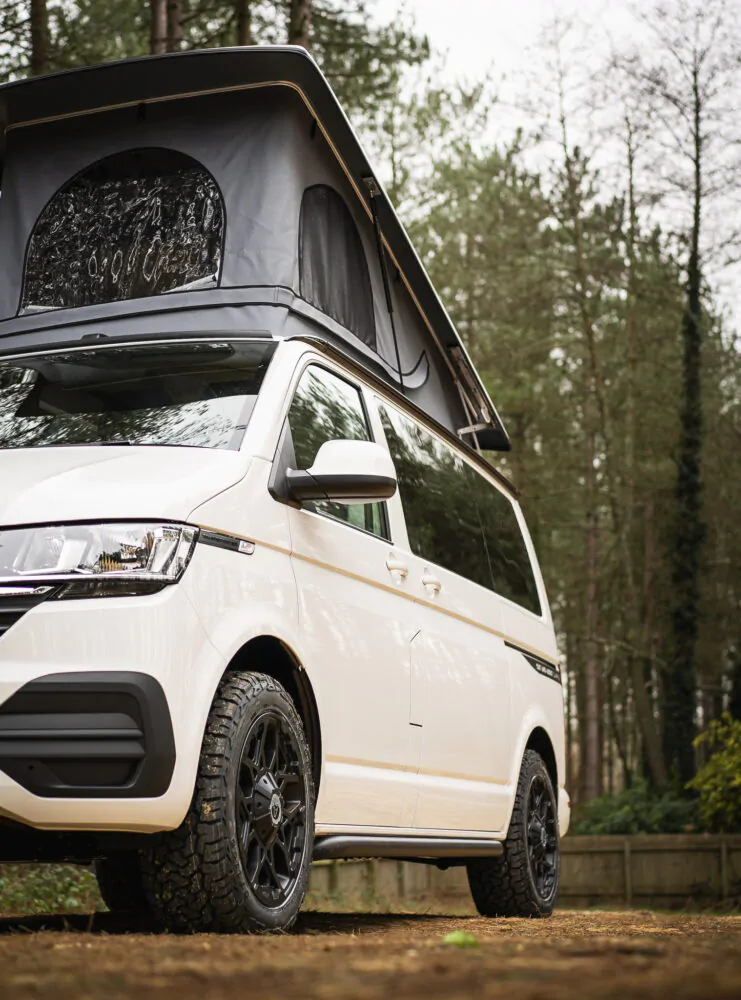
x: 150, y: 553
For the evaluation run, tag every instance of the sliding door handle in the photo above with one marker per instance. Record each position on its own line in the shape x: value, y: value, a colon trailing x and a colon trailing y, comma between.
x: 431, y: 583
x: 397, y: 566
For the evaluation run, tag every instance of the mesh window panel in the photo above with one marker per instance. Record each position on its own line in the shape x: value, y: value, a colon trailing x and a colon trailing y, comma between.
x: 138, y: 223
x: 332, y: 265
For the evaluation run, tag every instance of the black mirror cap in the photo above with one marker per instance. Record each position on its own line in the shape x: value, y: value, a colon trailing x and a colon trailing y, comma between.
x: 302, y: 486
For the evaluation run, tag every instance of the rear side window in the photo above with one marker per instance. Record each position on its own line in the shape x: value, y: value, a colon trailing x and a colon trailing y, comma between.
x: 511, y: 569
x: 457, y: 518
x: 327, y: 408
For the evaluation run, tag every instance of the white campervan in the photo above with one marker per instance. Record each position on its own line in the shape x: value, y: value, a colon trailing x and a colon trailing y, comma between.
x: 262, y: 600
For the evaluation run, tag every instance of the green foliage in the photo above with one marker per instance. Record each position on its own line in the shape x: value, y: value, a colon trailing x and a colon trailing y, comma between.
x: 638, y: 810
x: 719, y: 780
x: 29, y: 889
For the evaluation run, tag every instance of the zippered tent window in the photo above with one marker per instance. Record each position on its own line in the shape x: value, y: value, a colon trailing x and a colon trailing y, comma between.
x: 138, y: 223
x: 333, y: 270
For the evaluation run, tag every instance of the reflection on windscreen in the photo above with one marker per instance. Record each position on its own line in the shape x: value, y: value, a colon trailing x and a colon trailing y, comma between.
x: 197, y: 394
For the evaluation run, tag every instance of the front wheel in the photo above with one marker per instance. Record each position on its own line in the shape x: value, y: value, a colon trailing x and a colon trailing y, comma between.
x: 523, y: 882
x: 241, y: 859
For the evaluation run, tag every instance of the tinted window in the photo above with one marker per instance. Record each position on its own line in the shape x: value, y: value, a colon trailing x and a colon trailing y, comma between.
x: 455, y: 517
x: 138, y: 223
x: 333, y: 271
x: 327, y: 408
x: 439, y: 508
x: 196, y: 394
x: 511, y: 569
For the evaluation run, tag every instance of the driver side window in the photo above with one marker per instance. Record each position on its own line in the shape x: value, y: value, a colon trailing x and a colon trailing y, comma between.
x: 327, y: 408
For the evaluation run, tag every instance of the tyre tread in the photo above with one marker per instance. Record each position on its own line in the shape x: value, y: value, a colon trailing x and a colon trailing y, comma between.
x: 189, y: 873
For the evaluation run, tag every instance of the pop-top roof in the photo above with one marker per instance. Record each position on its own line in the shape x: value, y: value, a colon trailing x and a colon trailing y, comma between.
x: 154, y: 79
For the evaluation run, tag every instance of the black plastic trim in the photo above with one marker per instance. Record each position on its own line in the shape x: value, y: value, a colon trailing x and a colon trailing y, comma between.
x: 303, y: 486
x: 350, y: 846
x: 89, y: 735
x: 544, y: 667
x: 220, y: 540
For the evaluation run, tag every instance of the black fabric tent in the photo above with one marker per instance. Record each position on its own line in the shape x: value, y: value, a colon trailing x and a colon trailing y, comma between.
x: 216, y: 191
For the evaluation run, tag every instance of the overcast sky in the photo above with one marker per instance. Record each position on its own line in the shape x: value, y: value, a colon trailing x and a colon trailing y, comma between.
x: 504, y: 39
x: 480, y: 36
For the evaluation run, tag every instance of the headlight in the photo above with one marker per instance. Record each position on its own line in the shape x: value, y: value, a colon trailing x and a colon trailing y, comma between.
x: 103, y: 557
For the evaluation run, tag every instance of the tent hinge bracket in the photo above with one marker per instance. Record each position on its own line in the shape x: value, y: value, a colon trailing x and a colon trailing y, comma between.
x: 465, y: 375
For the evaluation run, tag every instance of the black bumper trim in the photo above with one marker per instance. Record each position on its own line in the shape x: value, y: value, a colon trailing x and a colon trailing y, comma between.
x: 89, y: 735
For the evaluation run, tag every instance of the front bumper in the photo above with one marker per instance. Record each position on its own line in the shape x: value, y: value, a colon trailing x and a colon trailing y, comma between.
x: 100, y: 701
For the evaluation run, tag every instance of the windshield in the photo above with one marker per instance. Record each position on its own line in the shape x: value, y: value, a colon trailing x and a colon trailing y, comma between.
x: 190, y: 394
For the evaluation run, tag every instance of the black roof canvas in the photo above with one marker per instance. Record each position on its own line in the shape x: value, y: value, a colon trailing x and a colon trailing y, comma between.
x: 216, y: 191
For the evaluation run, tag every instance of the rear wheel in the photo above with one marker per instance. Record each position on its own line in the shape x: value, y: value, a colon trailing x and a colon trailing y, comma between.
x: 120, y: 883
x: 523, y: 882
x: 241, y: 859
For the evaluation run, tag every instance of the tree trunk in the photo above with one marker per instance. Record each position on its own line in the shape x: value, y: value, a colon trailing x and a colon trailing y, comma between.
x: 593, y: 728
x: 679, y: 683
x: 175, y: 13
x: 299, y: 22
x: 39, y: 38
x: 158, y: 42
x: 734, y: 702
x: 243, y: 19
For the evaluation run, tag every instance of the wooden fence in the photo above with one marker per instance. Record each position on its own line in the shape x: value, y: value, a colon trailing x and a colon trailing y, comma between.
x: 663, y: 872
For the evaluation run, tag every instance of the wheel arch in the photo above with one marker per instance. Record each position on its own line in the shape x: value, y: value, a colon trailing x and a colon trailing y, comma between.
x: 540, y: 742
x: 275, y: 657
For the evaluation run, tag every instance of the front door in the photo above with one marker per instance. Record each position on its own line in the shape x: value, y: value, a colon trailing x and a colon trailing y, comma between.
x: 355, y: 621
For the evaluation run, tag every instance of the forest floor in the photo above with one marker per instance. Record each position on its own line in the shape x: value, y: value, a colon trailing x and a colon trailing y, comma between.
x: 584, y: 954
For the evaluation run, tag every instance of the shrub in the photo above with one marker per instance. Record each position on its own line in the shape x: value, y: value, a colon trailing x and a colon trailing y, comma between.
x: 718, y: 781
x: 638, y: 809
x: 29, y: 889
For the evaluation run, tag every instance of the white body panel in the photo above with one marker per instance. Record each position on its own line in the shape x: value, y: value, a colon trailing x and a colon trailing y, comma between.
x: 424, y: 711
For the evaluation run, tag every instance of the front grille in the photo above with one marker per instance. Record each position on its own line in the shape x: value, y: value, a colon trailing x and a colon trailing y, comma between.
x: 15, y: 601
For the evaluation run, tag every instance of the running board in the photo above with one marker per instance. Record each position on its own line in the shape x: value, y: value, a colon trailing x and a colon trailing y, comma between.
x: 349, y: 846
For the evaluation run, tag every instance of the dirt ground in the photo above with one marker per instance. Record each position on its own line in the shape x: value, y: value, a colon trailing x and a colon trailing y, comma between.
x: 575, y: 954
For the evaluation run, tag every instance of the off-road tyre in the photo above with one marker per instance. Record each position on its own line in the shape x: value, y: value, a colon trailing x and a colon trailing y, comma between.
x: 121, y: 886
x: 513, y: 885
x: 197, y: 878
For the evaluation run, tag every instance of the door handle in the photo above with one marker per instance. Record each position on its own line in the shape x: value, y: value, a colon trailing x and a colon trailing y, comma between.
x: 397, y: 566
x: 431, y: 583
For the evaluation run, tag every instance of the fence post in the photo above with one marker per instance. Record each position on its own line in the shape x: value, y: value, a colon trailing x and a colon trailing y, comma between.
x: 628, y: 874
x: 723, y: 868
x: 400, y: 880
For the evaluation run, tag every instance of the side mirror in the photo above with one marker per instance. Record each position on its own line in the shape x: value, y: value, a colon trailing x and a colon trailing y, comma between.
x: 346, y: 472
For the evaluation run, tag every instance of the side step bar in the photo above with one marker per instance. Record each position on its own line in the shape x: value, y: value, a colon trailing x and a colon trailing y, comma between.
x: 349, y: 846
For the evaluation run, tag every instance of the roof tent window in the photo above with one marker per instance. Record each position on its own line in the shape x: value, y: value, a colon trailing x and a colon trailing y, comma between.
x: 138, y: 223
x: 332, y: 266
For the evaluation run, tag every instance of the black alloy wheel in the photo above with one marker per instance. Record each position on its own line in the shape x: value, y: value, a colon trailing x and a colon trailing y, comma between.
x: 241, y: 859
x: 523, y: 881
x: 542, y: 838
x: 271, y: 809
